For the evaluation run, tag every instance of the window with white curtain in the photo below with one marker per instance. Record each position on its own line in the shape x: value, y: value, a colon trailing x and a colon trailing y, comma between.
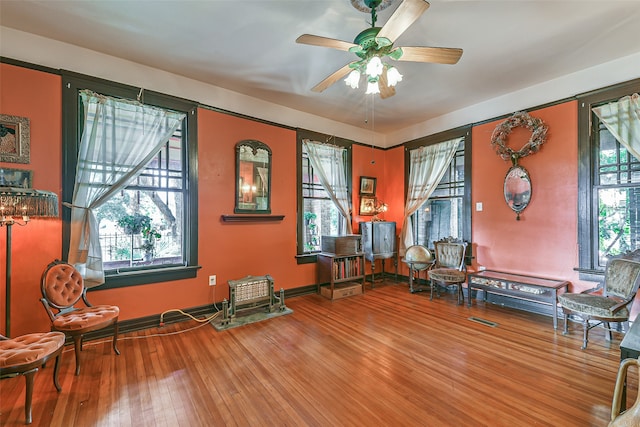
x: 609, y: 186
x: 447, y: 212
x: 155, y: 197
x: 443, y: 214
x: 163, y: 196
x: 317, y: 213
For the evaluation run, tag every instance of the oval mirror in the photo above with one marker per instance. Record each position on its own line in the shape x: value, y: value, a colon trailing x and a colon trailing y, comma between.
x: 253, y: 177
x: 517, y: 189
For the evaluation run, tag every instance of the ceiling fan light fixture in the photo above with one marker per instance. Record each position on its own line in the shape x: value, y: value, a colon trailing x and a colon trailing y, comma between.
x: 372, y: 87
x: 393, y: 76
x: 353, y: 79
x: 374, y: 67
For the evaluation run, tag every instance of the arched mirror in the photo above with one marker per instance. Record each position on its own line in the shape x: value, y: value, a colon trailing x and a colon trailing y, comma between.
x: 517, y: 189
x: 253, y: 177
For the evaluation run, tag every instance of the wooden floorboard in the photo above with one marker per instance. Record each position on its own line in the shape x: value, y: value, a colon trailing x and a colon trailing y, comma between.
x: 387, y: 357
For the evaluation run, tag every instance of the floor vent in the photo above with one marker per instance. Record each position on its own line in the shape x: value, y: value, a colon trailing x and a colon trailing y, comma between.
x: 483, y: 321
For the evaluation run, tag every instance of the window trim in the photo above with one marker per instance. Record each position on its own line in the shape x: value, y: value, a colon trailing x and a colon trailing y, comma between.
x: 587, y: 235
x: 71, y: 132
x: 303, y: 257
x: 461, y: 132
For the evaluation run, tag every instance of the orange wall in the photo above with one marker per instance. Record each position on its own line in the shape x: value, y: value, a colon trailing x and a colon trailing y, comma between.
x: 36, y: 95
x: 544, y: 241
x: 230, y: 251
x: 387, y: 167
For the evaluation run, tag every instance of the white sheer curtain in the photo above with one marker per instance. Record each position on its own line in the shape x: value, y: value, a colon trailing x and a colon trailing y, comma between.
x: 427, y: 165
x: 118, y: 140
x: 328, y: 162
x: 622, y: 119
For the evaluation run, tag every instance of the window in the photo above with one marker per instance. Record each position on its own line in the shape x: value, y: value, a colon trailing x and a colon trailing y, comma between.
x: 447, y: 212
x: 148, y: 230
x: 317, y: 214
x: 443, y: 214
x: 142, y: 225
x: 609, y: 187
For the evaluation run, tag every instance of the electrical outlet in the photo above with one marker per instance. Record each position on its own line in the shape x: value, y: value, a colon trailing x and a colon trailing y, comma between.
x: 212, y: 280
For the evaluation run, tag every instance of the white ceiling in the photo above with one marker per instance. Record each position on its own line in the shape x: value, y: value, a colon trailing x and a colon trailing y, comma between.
x: 249, y: 47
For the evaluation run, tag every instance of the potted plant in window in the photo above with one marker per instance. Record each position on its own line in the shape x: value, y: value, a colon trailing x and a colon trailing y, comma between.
x: 135, y: 224
x: 150, y: 235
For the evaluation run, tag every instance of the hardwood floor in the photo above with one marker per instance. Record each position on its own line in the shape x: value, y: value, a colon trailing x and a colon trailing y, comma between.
x: 385, y: 358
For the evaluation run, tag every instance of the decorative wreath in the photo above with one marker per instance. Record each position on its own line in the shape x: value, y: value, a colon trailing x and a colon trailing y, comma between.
x: 501, y: 133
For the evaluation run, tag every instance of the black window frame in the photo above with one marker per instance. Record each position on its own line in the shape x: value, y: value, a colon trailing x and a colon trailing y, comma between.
x: 72, y: 127
x: 588, y: 264
x: 301, y: 134
x: 461, y: 132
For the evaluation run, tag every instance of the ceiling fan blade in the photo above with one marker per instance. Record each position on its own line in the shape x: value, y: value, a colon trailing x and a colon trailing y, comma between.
x: 438, y: 55
x: 325, y: 42
x: 385, y: 90
x: 405, y: 15
x: 342, y: 72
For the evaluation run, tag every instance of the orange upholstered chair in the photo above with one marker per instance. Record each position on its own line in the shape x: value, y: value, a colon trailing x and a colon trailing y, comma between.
x: 25, y: 354
x: 62, y: 288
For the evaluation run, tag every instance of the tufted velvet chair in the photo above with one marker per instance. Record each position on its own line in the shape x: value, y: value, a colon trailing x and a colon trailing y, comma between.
x: 62, y: 288
x: 25, y: 354
x: 449, y: 268
x: 610, y: 302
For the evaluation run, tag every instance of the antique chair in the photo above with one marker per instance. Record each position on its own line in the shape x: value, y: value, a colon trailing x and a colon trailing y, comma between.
x: 418, y: 258
x: 609, y: 302
x: 620, y: 417
x: 25, y: 354
x: 62, y: 288
x: 449, y: 268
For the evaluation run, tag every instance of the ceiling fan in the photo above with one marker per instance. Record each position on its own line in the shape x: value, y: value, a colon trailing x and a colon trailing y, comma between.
x: 376, y: 43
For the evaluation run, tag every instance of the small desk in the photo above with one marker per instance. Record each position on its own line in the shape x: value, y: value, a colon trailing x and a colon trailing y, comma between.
x: 537, y: 289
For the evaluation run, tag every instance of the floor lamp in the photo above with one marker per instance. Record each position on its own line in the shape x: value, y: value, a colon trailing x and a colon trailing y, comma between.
x: 17, y: 206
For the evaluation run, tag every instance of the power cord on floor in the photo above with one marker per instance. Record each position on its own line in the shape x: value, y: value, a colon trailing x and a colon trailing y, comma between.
x: 206, y: 319
x: 202, y: 322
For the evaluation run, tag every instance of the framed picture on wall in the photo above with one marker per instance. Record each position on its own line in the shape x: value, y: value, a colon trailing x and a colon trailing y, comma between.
x: 14, y: 139
x: 18, y: 178
x: 367, y: 206
x: 367, y: 186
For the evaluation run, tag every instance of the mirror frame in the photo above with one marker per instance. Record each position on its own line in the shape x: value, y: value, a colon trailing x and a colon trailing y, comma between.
x: 510, y: 197
x: 254, y: 146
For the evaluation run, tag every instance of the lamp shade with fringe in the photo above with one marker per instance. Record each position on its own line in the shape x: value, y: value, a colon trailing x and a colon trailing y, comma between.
x: 27, y: 202
x: 17, y: 205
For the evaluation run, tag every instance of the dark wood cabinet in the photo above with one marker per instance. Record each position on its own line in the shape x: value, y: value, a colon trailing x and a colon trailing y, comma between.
x: 379, y: 242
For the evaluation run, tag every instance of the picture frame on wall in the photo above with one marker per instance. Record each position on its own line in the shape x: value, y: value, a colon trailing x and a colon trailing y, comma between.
x: 367, y: 186
x: 15, y: 139
x: 367, y: 206
x: 17, y: 178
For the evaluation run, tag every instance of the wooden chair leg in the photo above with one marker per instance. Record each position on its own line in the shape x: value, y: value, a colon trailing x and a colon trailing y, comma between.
x: 115, y: 339
x: 608, y: 336
x: 28, y: 376
x: 77, y: 343
x: 585, y: 337
x: 56, y: 367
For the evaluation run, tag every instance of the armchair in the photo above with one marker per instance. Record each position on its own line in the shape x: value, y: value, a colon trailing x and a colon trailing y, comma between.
x: 62, y: 287
x: 449, y: 268
x: 613, y: 304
